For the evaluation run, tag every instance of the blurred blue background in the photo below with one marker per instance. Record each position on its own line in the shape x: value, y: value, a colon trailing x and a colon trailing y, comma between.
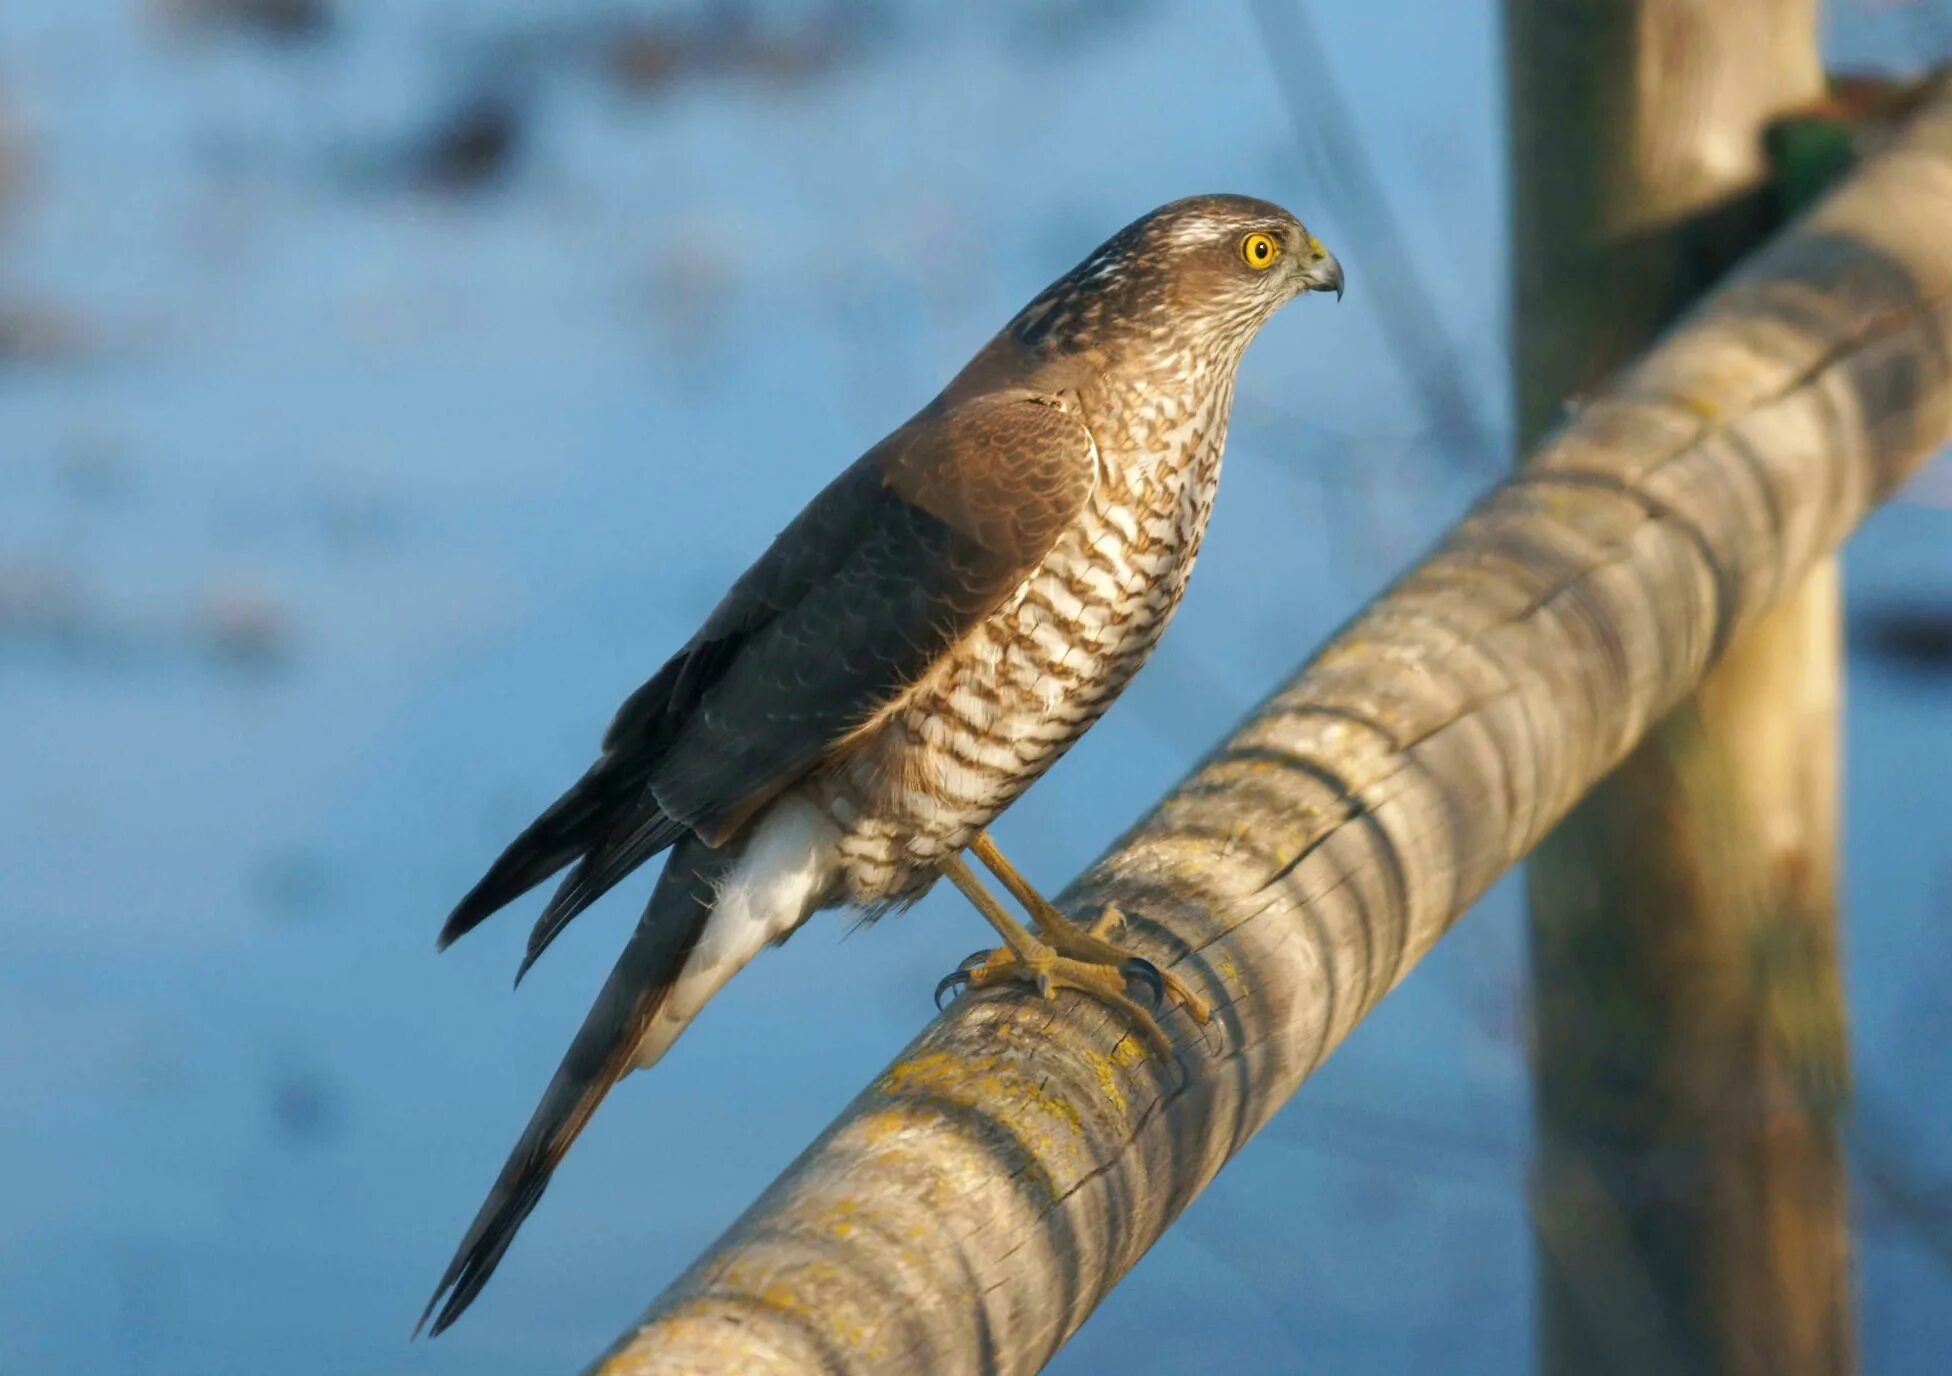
x: 385, y: 389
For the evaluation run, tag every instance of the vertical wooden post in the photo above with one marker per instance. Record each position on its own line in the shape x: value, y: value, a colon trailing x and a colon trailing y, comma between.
x: 1688, y: 1190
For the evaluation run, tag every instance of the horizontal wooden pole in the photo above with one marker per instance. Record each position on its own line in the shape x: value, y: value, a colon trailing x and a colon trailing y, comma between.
x: 970, y: 1208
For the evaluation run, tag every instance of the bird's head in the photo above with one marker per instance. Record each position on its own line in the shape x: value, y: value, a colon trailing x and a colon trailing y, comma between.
x: 1202, y: 273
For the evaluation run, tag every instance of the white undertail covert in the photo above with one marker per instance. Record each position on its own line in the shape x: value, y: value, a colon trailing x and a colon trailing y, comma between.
x: 786, y: 871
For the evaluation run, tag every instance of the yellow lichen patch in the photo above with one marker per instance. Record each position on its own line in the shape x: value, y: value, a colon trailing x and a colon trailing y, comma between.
x: 1061, y: 1108
x: 886, y: 1122
x: 789, y: 1291
x: 847, y: 1216
x: 1000, y: 1089
x: 1107, y: 1074
x: 940, y: 1072
x: 790, y: 1297
x: 1704, y: 406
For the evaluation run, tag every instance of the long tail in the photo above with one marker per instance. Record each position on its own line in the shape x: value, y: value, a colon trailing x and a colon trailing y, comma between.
x: 603, y: 1051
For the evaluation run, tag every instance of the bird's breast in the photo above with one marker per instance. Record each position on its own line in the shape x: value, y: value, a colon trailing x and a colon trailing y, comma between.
x: 1010, y: 698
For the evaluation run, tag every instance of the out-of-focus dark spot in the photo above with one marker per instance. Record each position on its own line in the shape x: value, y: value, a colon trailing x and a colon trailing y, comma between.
x: 37, y: 333
x: 1914, y: 636
x: 291, y: 885
x: 1057, y: 28
x: 50, y: 606
x: 644, y: 59
x: 306, y: 1108
x: 285, y: 20
x: 244, y: 628
x: 43, y: 603
x: 688, y: 288
x: 648, y: 56
x: 472, y: 146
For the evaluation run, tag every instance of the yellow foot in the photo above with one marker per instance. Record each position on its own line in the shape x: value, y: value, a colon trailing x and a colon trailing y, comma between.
x: 1048, y: 972
x: 1094, y: 945
x: 1062, y: 955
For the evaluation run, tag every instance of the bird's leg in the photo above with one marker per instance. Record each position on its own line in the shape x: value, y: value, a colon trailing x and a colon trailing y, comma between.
x: 1023, y: 958
x: 1091, y: 944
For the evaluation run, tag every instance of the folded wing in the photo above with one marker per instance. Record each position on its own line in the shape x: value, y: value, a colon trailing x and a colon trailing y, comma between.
x: 890, y: 565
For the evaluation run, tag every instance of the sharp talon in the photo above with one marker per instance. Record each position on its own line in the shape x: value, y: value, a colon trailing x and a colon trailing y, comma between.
x: 1146, y: 973
x: 952, y: 984
x: 961, y: 977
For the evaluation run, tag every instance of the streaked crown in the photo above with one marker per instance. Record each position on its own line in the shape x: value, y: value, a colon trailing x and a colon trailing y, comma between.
x: 1200, y: 273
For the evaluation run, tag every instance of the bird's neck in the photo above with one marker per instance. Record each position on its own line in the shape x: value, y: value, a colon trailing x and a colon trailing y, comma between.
x: 1150, y: 420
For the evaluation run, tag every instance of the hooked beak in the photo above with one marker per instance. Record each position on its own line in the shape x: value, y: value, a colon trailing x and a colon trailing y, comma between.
x: 1324, y: 274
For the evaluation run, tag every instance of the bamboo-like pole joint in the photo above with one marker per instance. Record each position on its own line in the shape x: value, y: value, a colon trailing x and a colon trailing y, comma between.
x: 969, y: 1209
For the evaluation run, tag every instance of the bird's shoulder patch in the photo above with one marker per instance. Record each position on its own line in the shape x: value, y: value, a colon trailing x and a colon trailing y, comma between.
x: 1009, y: 470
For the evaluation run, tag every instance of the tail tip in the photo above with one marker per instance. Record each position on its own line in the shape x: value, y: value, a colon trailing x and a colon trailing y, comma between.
x: 442, y: 1310
x: 529, y: 958
x: 465, y: 918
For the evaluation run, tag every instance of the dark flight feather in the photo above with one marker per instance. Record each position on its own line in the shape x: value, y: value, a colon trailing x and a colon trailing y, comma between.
x: 571, y: 825
x: 598, y: 1057
x: 601, y: 869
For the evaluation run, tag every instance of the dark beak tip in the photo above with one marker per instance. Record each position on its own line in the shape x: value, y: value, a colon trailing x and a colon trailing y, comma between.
x: 1325, y: 275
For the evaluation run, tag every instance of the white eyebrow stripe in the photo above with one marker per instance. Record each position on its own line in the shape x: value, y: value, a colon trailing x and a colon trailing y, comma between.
x: 1204, y: 228
x: 1196, y: 227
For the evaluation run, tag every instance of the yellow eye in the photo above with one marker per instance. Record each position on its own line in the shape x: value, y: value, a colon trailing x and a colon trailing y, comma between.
x: 1259, y: 250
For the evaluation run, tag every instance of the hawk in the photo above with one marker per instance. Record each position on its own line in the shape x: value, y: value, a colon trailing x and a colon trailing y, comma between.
x: 917, y: 647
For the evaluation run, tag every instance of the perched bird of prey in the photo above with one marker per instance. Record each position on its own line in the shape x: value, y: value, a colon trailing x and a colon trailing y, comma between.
x: 916, y: 648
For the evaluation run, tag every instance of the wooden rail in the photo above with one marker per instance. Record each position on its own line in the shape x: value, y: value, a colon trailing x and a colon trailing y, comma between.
x: 973, y: 1204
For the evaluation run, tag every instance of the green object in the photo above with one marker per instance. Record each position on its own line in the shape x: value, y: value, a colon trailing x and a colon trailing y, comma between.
x: 1808, y: 156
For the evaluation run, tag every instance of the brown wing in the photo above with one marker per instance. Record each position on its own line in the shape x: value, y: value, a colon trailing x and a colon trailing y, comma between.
x: 896, y: 560
x: 933, y: 529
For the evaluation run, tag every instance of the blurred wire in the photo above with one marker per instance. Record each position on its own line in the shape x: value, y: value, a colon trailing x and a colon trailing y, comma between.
x: 1369, y: 487
x: 1334, y: 156
x: 1901, y: 1193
